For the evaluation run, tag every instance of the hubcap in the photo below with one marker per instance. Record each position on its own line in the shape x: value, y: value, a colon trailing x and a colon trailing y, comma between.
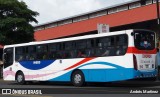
x: 19, y: 78
x: 77, y: 78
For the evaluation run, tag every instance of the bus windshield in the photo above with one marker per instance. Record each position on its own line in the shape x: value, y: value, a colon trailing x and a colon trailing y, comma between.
x: 144, y: 40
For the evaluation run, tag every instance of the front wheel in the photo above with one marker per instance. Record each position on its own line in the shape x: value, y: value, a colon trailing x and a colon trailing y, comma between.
x: 78, y: 79
x: 20, y: 79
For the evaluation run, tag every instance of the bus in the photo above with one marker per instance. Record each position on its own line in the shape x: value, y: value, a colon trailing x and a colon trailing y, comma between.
x: 106, y: 57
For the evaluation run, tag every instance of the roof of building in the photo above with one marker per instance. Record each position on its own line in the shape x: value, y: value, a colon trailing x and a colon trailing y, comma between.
x: 127, y: 17
x: 116, y: 5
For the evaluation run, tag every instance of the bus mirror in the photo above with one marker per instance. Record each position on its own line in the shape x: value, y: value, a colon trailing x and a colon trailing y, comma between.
x: 132, y: 34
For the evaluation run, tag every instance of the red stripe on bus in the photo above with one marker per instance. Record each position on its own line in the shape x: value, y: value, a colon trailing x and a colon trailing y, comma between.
x: 79, y: 63
x: 136, y: 51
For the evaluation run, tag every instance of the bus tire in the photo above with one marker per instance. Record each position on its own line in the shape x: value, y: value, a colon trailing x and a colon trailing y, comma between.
x: 20, y: 79
x: 78, y: 79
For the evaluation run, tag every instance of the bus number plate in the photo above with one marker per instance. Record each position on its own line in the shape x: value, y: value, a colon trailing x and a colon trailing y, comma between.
x: 147, y: 65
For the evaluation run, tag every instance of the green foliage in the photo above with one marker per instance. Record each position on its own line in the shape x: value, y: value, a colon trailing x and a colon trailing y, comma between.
x: 15, y: 19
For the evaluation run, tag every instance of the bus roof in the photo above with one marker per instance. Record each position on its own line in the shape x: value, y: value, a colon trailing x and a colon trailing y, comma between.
x: 70, y: 38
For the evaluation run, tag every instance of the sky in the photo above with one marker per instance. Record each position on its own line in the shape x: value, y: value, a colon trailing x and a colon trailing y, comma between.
x: 52, y: 10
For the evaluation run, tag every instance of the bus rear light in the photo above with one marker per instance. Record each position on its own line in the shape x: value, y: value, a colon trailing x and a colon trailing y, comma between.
x: 135, y: 62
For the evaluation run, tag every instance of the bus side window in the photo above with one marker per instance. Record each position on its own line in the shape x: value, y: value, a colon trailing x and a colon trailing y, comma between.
x: 112, y: 51
x: 42, y: 52
x: 73, y: 53
x: 69, y: 49
x: 20, y: 53
x: 31, y: 53
x: 121, y: 44
x: 55, y: 51
x: 53, y: 48
x: 8, y: 57
x: 105, y: 46
x: 80, y: 47
x: 81, y: 53
x: 89, y: 51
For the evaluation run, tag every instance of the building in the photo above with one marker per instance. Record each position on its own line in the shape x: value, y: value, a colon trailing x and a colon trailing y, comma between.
x: 127, y: 15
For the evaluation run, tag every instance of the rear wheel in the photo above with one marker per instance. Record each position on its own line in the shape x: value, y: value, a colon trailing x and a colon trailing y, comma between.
x: 78, y: 79
x: 20, y: 79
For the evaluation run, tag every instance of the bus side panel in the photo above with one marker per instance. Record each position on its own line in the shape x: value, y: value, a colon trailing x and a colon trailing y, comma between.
x: 100, y: 75
x: 103, y: 69
x: 8, y: 74
x: 107, y: 75
x: 65, y: 77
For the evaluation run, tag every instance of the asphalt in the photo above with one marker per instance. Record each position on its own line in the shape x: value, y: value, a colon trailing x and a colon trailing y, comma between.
x: 57, y: 89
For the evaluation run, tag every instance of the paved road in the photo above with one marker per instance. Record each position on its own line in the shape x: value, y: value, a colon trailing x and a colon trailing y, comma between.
x: 92, y: 89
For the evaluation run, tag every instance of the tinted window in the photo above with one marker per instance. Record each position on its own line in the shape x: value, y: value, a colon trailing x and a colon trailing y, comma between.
x: 122, y: 40
x: 55, y: 51
x: 81, y: 44
x: 97, y: 47
x: 111, y: 45
x: 105, y: 46
x: 31, y: 53
x: 144, y: 40
x: 121, y: 44
x: 85, y: 48
x: 20, y: 53
x: 54, y: 47
x: 42, y: 52
x: 8, y: 57
x: 69, y: 46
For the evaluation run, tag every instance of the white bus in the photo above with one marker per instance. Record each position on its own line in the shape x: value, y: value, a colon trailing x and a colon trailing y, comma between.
x: 106, y: 57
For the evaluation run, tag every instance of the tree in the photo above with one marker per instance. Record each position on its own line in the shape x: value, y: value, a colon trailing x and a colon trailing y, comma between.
x: 15, y: 19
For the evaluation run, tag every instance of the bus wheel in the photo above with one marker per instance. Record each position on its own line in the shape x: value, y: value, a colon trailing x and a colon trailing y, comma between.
x: 20, y: 78
x: 78, y: 78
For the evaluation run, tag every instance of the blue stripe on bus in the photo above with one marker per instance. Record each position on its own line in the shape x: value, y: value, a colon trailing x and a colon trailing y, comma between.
x: 106, y: 75
x: 100, y: 75
x: 36, y: 65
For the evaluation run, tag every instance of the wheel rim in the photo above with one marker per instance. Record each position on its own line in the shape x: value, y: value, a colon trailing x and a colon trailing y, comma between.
x: 77, y: 78
x: 19, y: 78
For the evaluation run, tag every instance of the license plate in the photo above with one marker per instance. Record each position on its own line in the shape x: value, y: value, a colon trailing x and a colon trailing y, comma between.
x: 147, y: 65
